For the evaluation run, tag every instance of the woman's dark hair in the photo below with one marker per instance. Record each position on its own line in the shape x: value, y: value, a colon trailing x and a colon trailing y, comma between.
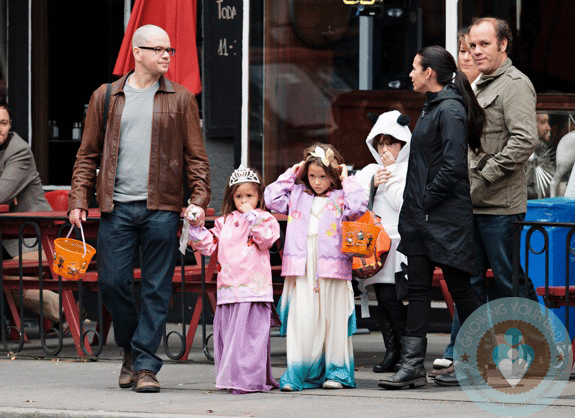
x: 443, y: 63
x: 228, y: 205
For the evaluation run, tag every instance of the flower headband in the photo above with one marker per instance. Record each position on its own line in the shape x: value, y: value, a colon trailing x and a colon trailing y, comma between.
x: 243, y: 175
x: 326, y: 157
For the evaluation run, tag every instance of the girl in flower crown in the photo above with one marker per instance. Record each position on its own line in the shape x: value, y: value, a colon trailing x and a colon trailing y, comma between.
x: 317, y: 306
x: 242, y: 236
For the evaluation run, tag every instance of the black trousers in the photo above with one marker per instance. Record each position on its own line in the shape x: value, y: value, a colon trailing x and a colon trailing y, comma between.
x: 390, y: 308
x: 419, y: 283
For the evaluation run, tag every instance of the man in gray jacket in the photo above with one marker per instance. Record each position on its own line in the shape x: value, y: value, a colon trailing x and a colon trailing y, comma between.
x: 498, y: 181
x: 21, y: 188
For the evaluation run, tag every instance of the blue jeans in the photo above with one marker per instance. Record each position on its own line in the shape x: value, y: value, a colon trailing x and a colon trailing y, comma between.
x: 494, y: 249
x: 121, y: 232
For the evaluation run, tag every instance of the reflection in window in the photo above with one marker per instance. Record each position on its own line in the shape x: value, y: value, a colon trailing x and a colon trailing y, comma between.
x: 549, y: 167
x: 310, y: 56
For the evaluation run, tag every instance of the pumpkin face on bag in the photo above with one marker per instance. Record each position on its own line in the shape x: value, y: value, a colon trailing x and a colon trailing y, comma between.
x: 368, y: 242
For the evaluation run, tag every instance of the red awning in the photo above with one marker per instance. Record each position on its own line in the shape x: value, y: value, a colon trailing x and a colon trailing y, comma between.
x: 178, y: 18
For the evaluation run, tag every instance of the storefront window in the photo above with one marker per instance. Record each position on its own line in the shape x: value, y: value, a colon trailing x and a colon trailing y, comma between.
x: 309, y: 55
x: 305, y: 67
x: 3, y: 49
x: 305, y: 59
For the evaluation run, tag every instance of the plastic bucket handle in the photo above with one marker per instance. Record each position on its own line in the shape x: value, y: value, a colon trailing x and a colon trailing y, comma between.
x: 83, y: 239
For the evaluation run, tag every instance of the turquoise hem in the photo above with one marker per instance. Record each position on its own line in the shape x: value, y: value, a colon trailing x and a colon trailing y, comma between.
x: 312, y: 375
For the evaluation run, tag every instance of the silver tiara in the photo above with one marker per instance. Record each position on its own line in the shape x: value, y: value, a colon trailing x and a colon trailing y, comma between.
x: 243, y: 175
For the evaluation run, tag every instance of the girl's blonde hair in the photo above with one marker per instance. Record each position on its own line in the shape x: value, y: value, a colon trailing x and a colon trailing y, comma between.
x: 228, y: 205
x: 333, y: 159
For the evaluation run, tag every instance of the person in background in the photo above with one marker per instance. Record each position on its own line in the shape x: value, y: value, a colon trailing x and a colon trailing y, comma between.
x: 153, y: 139
x: 436, y: 218
x: 543, y: 158
x: 543, y: 127
x: 21, y: 188
x: 388, y: 141
x: 464, y: 59
x: 317, y: 306
x: 242, y: 237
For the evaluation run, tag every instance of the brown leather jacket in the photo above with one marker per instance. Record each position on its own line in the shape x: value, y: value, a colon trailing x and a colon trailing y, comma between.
x: 177, y: 147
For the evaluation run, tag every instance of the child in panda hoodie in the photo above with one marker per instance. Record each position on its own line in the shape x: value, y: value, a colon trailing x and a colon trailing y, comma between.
x: 388, y: 142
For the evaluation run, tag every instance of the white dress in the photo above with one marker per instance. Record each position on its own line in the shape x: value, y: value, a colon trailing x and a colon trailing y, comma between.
x: 318, y: 318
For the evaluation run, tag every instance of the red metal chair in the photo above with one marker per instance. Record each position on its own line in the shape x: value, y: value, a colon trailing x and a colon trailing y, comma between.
x: 58, y: 199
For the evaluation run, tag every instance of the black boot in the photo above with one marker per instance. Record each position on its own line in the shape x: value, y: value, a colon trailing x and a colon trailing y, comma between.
x: 392, y: 318
x: 412, y: 370
x: 392, y: 345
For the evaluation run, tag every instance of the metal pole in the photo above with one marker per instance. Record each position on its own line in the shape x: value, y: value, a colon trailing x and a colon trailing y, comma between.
x: 365, y: 52
x: 451, y: 26
x: 127, y: 12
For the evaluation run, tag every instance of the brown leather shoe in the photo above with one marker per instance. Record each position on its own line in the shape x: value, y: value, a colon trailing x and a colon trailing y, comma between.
x: 146, y: 382
x: 126, y: 379
x: 442, y: 372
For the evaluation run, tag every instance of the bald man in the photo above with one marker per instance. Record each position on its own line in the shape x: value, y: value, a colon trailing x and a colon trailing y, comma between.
x: 151, y: 139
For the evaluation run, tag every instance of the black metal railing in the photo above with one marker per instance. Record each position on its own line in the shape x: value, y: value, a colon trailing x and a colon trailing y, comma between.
x: 14, y: 336
x: 544, y: 252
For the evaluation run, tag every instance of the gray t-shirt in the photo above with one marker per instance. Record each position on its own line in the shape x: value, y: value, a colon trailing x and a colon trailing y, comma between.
x: 135, y: 140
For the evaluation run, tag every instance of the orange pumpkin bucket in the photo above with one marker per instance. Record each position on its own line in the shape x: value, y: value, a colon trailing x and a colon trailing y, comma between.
x: 72, y: 257
x: 359, y: 238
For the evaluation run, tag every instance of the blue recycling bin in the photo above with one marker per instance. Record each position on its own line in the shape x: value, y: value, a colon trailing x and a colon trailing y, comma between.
x: 554, y: 209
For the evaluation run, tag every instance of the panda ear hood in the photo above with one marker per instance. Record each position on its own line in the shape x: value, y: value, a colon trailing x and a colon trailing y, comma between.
x: 392, y: 123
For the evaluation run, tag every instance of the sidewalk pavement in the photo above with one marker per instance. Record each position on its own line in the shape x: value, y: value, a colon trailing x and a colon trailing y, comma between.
x: 32, y: 385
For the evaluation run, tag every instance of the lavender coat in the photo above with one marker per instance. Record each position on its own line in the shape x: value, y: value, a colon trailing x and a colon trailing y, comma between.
x: 349, y: 203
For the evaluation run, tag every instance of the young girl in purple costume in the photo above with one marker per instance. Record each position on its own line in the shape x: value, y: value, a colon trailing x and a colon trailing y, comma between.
x: 317, y: 305
x: 245, y: 312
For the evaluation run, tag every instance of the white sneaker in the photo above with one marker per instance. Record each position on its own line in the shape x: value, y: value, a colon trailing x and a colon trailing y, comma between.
x: 287, y: 388
x: 332, y: 384
x: 442, y: 363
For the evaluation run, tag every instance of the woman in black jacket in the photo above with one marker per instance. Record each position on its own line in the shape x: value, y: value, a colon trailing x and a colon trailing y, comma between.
x: 436, y: 219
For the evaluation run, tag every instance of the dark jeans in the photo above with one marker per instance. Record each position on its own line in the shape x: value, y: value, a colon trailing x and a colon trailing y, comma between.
x: 121, y: 232
x: 494, y: 249
x: 419, y: 281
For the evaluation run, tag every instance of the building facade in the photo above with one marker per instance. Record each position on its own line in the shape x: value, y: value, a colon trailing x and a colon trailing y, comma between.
x: 277, y: 75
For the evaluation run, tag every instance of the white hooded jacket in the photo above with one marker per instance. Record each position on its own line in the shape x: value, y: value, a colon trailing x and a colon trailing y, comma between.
x: 388, y: 196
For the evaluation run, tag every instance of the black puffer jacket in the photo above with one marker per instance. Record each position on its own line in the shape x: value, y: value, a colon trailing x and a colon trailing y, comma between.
x: 436, y: 219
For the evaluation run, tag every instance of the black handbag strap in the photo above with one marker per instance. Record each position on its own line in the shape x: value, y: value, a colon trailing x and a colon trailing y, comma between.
x: 371, y: 193
x: 106, y: 106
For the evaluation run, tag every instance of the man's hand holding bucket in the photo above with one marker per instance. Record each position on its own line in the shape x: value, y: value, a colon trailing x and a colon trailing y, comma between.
x: 77, y: 216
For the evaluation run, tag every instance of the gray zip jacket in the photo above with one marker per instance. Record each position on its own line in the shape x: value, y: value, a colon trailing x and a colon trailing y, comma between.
x: 497, y: 176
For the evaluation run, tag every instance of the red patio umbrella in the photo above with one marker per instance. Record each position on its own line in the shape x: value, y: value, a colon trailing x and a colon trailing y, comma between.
x: 178, y: 18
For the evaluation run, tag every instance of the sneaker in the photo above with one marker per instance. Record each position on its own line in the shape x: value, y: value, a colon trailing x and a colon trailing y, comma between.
x: 332, y: 384
x: 442, y: 363
x: 287, y: 388
x: 146, y: 382
x: 126, y: 379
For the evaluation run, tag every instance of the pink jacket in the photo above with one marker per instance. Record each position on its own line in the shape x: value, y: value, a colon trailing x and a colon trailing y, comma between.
x: 285, y: 196
x: 243, y: 242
